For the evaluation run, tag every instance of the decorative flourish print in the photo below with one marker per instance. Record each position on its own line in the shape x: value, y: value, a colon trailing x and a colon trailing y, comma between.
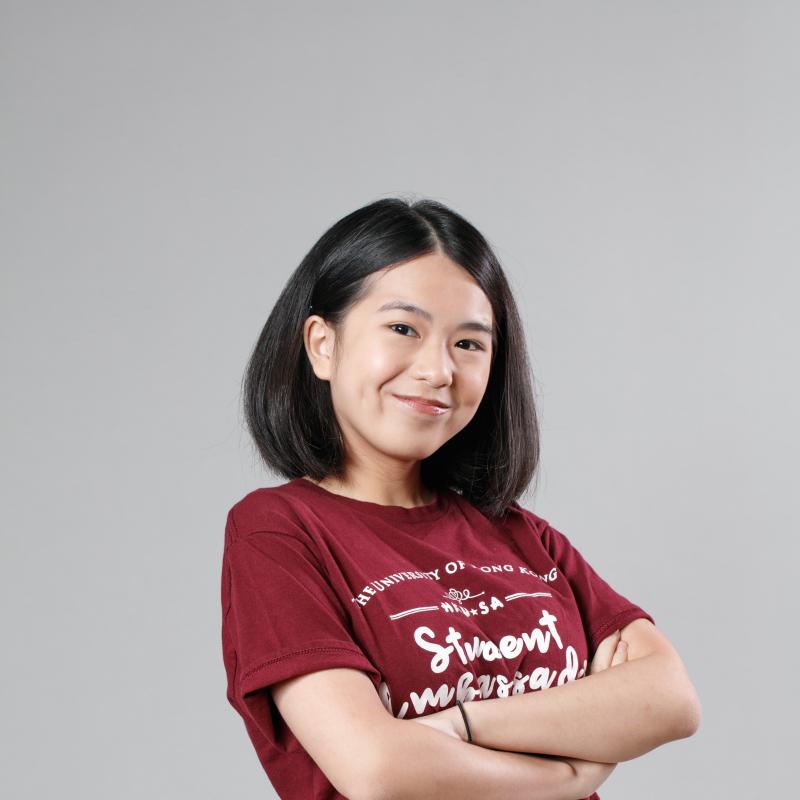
x: 455, y: 594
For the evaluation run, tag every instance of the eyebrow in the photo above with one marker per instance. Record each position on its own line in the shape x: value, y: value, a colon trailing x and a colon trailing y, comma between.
x: 401, y: 305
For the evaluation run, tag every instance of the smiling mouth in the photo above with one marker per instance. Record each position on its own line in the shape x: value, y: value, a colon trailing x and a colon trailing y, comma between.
x: 421, y: 407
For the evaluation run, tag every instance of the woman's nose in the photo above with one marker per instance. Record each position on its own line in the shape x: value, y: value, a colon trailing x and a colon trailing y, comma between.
x: 434, y: 364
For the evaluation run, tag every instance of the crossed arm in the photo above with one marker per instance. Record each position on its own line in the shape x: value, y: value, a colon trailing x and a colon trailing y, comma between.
x: 557, y: 744
x: 560, y: 743
x: 611, y: 716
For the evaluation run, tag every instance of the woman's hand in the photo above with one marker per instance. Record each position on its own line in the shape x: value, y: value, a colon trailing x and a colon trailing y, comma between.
x: 612, y: 651
x: 448, y: 720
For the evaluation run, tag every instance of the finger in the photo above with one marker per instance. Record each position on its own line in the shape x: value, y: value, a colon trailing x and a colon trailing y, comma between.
x: 605, y: 652
x: 620, y: 654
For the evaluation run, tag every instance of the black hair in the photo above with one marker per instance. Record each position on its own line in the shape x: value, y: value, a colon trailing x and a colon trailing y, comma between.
x: 289, y: 411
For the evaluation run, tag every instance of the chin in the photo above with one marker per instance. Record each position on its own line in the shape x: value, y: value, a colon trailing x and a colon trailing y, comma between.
x: 406, y: 453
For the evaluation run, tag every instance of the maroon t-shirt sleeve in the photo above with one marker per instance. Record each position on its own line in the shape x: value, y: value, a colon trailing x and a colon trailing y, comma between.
x: 281, y: 619
x: 602, y: 609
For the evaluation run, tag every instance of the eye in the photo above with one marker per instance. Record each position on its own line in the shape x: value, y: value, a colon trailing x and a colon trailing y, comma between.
x: 476, y: 345
x: 401, y: 325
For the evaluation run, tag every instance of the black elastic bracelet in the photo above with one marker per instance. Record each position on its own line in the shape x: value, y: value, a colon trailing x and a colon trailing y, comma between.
x: 464, y: 714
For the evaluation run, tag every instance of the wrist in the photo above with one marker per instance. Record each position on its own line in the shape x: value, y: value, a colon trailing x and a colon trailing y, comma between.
x: 453, y: 717
x: 464, y: 727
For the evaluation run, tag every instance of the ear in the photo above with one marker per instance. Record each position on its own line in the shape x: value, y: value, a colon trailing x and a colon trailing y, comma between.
x: 319, y: 338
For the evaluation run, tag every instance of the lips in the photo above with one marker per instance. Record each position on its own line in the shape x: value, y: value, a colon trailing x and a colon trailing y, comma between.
x: 422, y: 405
x: 423, y: 400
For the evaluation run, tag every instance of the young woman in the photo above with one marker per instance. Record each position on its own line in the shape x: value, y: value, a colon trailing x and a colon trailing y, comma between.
x: 391, y: 614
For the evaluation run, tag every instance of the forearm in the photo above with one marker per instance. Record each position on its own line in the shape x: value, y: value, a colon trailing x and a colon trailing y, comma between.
x: 425, y: 764
x: 614, y: 715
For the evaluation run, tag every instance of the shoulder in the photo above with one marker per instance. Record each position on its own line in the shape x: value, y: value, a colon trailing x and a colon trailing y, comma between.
x: 263, y: 510
x: 527, y: 523
x: 518, y: 514
x: 515, y: 515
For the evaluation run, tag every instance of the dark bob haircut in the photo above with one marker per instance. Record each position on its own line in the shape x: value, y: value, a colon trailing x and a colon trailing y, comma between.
x: 289, y: 411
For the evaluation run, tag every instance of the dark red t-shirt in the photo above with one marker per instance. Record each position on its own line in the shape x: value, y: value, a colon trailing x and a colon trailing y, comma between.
x: 434, y: 603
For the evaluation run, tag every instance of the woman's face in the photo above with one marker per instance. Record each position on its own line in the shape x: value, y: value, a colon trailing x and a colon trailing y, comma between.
x: 385, y: 352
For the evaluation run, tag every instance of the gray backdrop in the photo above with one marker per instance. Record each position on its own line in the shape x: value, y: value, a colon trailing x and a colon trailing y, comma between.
x: 166, y: 165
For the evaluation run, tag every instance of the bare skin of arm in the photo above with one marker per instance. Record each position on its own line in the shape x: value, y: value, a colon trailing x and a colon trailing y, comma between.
x: 368, y: 754
x: 420, y: 763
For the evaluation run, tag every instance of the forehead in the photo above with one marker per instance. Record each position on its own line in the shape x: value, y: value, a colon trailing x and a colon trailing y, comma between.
x: 433, y: 284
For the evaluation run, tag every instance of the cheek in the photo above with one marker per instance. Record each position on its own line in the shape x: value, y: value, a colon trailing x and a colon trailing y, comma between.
x: 364, y: 376
x: 381, y: 362
x: 475, y: 387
